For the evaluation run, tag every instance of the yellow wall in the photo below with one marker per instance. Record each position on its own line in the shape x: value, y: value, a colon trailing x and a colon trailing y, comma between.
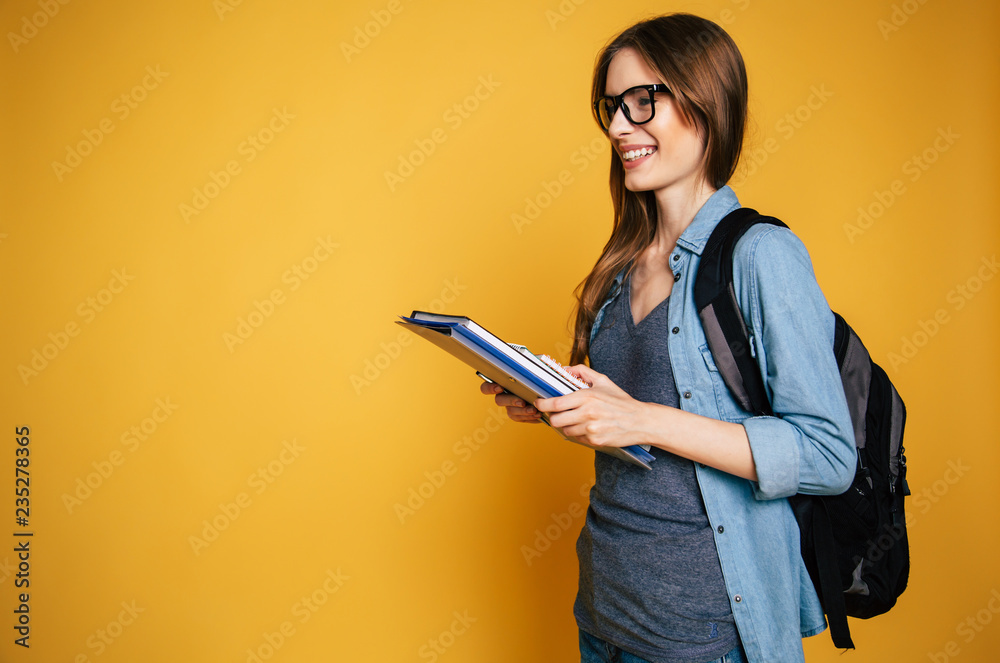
x: 212, y: 212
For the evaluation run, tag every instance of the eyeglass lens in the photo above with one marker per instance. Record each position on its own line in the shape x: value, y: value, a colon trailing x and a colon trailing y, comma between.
x: 638, y: 107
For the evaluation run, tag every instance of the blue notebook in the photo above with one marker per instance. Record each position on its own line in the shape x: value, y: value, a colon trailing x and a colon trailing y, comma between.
x: 514, y: 367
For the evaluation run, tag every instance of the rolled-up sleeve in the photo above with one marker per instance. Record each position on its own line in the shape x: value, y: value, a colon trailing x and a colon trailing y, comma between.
x: 808, y: 446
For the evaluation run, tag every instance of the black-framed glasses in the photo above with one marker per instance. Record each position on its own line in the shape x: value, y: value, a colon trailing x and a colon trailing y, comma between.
x: 637, y: 102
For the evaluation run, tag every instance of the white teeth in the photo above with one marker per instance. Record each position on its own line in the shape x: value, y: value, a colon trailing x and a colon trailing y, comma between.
x: 632, y: 155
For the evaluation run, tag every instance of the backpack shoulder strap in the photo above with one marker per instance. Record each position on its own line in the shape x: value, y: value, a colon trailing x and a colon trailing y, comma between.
x: 720, y: 313
x: 730, y: 345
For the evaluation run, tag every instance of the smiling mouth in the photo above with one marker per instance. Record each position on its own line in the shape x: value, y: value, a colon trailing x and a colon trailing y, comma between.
x: 632, y: 155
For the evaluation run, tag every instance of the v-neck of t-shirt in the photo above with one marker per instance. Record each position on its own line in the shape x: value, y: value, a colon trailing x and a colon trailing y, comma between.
x: 634, y: 326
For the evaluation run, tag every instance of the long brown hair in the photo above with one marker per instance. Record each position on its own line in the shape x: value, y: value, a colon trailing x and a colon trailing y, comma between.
x: 705, y: 72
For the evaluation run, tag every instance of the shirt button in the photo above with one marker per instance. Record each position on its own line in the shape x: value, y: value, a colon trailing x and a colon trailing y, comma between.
x: 720, y: 529
x: 677, y: 257
x: 677, y: 277
x: 738, y: 598
x: 687, y: 394
x: 676, y: 330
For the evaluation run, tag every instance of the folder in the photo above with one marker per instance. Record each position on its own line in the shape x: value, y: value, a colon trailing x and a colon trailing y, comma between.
x: 513, y: 367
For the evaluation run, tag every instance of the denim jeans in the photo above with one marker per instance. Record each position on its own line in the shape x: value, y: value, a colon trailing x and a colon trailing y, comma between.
x: 595, y: 650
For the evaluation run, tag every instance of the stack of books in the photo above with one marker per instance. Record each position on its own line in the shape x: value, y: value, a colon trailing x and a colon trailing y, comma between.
x: 514, y: 367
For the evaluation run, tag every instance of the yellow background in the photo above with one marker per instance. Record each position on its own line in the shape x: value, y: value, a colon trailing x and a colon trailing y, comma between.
x: 366, y: 418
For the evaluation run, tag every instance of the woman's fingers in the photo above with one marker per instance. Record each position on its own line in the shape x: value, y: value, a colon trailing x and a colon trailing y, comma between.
x: 490, y: 387
x: 504, y: 398
x: 517, y: 409
x: 524, y: 413
x: 584, y: 372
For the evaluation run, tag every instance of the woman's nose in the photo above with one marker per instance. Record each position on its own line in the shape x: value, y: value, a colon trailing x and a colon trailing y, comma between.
x: 619, y: 123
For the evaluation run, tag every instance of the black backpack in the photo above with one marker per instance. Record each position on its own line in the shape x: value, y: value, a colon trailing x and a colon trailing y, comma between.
x: 853, y: 544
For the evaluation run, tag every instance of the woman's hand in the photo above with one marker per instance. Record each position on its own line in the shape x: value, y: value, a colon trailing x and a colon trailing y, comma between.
x: 517, y: 409
x: 602, y: 416
x: 606, y: 416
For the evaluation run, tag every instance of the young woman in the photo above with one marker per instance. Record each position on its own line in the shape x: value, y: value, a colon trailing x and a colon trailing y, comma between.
x: 698, y: 559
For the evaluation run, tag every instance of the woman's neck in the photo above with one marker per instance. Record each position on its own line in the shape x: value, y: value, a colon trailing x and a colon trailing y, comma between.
x: 676, y: 209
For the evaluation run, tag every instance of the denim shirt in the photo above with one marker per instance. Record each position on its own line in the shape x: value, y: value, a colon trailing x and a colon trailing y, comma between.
x: 807, y: 447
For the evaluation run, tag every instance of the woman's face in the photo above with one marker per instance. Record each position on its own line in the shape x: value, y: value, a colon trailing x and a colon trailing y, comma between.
x: 676, y: 159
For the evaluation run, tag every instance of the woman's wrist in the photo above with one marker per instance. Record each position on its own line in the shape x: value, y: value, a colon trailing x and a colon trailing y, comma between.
x: 655, y: 424
x: 719, y: 444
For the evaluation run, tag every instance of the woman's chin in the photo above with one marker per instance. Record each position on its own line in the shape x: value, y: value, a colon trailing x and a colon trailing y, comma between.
x: 637, y: 184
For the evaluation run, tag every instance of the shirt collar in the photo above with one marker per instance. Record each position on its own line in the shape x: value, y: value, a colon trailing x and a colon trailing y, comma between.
x: 696, y: 235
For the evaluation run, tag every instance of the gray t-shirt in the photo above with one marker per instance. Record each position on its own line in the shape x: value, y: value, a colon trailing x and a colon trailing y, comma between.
x: 650, y: 578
